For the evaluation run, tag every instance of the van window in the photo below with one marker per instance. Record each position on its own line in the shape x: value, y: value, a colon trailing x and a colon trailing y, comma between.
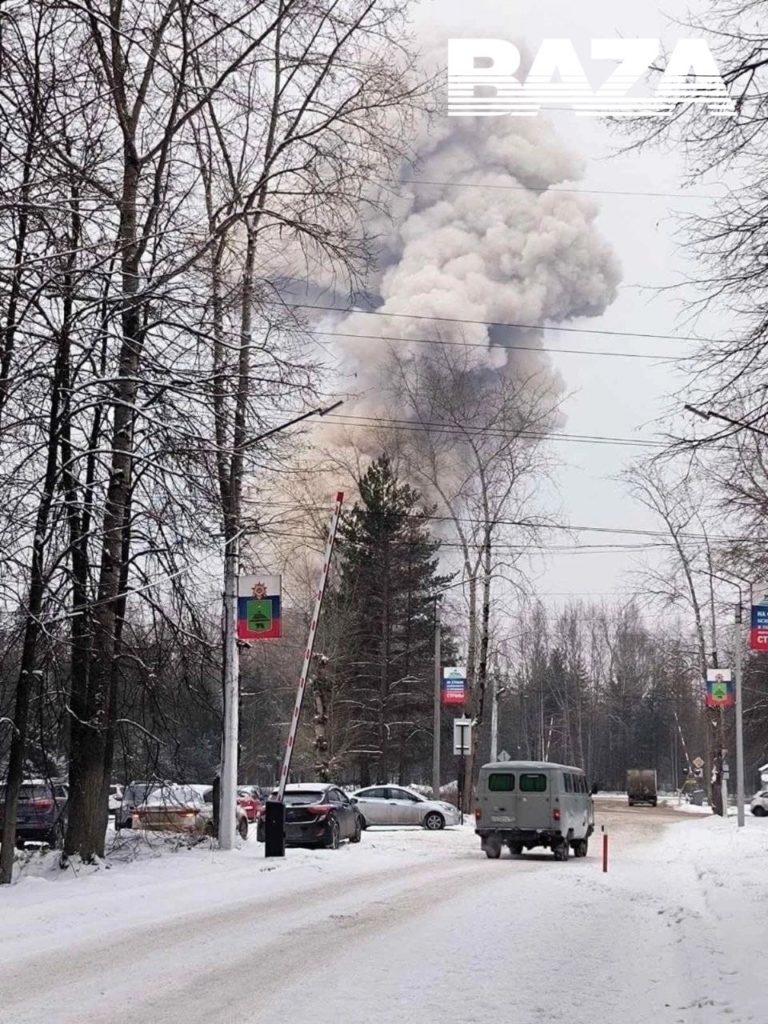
x: 582, y: 784
x: 568, y: 782
x: 533, y: 782
x: 501, y: 782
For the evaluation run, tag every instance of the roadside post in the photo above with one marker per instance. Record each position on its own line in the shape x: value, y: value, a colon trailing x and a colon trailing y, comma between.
x: 462, y: 748
x: 605, y: 851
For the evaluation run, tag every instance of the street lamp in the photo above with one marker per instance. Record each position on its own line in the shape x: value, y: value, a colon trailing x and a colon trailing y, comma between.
x: 737, y: 641
x: 707, y: 414
x: 228, y: 783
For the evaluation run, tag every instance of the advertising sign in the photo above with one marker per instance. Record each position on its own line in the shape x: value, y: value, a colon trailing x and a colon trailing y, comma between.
x: 258, y: 607
x: 454, y: 685
x: 758, y: 634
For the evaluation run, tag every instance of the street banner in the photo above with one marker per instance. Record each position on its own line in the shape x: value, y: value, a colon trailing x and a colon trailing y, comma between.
x: 719, y: 691
x: 454, y: 685
x: 258, y: 607
x: 758, y: 634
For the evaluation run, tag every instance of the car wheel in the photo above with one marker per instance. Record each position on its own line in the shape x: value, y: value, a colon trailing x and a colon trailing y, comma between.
x: 55, y: 837
x: 363, y: 823
x: 759, y: 812
x: 242, y: 828
x: 334, y: 835
x: 355, y: 837
x: 434, y: 821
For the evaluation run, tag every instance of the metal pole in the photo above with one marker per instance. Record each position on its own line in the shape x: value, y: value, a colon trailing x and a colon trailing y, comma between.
x: 228, y: 786
x: 739, y: 720
x: 436, y: 725
x: 495, y: 717
x: 308, y: 653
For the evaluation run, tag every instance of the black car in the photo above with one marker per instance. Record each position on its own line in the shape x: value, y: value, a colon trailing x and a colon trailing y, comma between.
x: 317, y: 814
x: 41, y: 814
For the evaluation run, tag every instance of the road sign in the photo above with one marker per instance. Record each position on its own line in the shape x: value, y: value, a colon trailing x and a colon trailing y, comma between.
x: 462, y: 737
x: 698, y: 762
x: 504, y: 756
x: 454, y: 685
x: 758, y: 634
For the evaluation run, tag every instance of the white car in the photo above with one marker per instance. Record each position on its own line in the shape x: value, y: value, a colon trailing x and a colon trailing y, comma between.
x: 759, y: 805
x: 395, y: 805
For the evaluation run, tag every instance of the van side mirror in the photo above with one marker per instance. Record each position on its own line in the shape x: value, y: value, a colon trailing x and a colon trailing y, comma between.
x: 595, y: 789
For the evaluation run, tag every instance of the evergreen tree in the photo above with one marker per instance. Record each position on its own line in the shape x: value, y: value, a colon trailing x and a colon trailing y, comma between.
x: 383, y: 610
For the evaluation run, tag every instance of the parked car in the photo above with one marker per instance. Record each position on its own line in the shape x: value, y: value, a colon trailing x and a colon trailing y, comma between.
x: 182, y: 809
x: 115, y: 798
x: 525, y: 804
x: 759, y: 804
x: 134, y: 794
x: 41, y: 815
x: 317, y: 814
x: 249, y: 798
x: 395, y: 805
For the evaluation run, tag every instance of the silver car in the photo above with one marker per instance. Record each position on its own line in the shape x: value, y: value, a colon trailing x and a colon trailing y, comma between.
x: 395, y: 805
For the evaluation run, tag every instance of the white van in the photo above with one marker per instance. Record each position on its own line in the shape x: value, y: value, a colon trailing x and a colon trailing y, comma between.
x: 524, y: 804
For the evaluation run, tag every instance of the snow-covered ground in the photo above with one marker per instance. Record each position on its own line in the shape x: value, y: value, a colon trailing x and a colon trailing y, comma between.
x: 408, y: 926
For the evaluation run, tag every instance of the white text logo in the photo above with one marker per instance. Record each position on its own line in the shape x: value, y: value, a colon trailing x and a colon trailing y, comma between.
x: 482, y: 79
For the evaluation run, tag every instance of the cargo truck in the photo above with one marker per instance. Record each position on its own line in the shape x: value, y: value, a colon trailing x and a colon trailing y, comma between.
x: 641, y: 786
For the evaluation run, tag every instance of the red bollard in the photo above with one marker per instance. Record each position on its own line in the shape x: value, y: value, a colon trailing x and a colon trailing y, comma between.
x: 605, y: 852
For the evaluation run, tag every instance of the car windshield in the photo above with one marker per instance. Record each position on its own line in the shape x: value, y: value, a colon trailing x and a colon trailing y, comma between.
x: 305, y: 797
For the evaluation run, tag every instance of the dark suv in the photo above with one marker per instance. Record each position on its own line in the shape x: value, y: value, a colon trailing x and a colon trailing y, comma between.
x: 41, y: 815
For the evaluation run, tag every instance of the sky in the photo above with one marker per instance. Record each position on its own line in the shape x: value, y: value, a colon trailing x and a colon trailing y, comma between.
x: 607, y: 396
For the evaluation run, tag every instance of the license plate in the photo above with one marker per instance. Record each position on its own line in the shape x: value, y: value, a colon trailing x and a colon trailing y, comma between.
x: 501, y: 817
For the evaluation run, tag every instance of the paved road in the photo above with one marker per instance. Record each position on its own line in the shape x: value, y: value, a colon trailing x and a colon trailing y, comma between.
x: 452, y: 937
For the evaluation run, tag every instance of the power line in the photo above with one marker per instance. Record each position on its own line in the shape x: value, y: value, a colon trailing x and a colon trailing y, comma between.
x: 459, y: 431
x: 559, y: 188
x: 568, y: 527
x: 501, y: 323
x: 497, y: 344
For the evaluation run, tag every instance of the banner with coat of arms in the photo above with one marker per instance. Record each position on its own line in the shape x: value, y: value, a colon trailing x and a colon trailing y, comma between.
x: 258, y: 607
x: 719, y: 690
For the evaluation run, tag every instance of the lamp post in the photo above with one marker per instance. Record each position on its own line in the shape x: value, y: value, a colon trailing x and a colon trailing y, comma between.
x: 737, y: 674
x: 229, y: 744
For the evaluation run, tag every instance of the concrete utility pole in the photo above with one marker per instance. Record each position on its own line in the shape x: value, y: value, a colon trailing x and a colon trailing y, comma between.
x: 436, y: 711
x: 231, y: 674
x: 737, y: 641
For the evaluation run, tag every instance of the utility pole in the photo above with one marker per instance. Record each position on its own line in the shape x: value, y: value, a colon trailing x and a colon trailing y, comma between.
x: 230, y: 738
x: 231, y: 658
x: 737, y: 640
x: 437, y: 709
x: 495, y: 715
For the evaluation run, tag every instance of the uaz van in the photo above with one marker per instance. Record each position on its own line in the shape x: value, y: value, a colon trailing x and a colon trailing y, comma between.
x: 524, y: 804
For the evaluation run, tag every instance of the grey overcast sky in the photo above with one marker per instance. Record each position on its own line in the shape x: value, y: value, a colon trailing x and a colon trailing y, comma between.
x: 606, y: 396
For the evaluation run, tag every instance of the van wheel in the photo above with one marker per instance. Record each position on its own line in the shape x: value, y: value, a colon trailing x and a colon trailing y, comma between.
x: 492, y: 849
x: 516, y: 849
x: 580, y: 848
x: 562, y: 850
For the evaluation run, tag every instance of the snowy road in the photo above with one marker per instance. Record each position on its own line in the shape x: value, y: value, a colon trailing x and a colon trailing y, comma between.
x: 410, y: 926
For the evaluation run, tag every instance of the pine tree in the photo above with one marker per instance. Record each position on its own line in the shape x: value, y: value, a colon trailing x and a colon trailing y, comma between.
x: 384, y: 618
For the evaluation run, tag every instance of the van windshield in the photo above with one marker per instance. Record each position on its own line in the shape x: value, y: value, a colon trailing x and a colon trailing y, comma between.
x: 501, y: 782
x: 533, y: 782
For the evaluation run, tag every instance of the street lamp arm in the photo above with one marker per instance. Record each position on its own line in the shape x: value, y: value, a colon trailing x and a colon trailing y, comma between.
x: 291, y: 423
x: 707, y: 414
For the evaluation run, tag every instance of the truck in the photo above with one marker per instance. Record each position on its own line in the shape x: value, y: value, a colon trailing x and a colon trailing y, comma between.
x: 641, y: 786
